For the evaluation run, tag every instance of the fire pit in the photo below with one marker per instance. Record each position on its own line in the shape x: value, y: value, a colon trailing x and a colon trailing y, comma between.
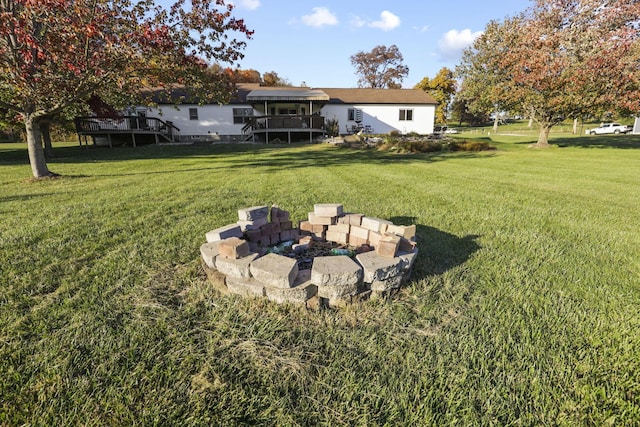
x: 332, y: 258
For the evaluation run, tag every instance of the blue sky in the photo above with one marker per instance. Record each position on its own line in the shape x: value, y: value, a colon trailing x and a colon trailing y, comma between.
x: 311, y: 41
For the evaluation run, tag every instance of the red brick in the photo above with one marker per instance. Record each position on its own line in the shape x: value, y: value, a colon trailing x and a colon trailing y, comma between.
x: 336, y: 236
x: 253, y: 235
x: 233, y: 248
x: 322, y: 220
x: 387, y: 248
x: 305, y: 226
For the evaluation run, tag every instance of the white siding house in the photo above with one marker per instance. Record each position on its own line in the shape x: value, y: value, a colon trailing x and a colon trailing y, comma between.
x: 265, y: 114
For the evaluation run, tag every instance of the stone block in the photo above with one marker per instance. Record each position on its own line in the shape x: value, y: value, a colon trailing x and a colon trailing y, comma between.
x: 275, y: 238
x: 221, y: 233
x: 375, y: 224
x: 335, y: 292
x: 318, y: 228
x: 245, y: 287
x: 377, y: 268
x: 279, y: 215
x: 251, y: 225
x: 301, y: 292
x: 328, y: 210
x: 209, y: 252
x: 233, y: 248
x: 339, y: 228
x: 357, y: 231
x: 406, y: 245
x: 253, y: 213
x: 388, y: 245
x: 355, y: 219
x: 305, y: 226
x: 275, y: 227
x: 322, y: 220
x: 335, y: 236
x: 235, y: 267
x: 374, y: 238
x: 286, y: 235
x: 408, y: 259
x: 253, y: 235
x: 394, y: 282
x: 267, y: 229
x: 286, y: 225
x: 275, y: 270
x: 297, y: 295
x: 357, y: 241
x: 337, y: 271
x: 410, y: 232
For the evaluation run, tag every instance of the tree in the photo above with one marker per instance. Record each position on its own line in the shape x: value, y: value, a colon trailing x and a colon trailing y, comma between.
x: 559, y: 59
x: 56, y: 54
x: 442, y: 87
x: 380, y: 68
x: 272, y: 78
x: 482, y: 89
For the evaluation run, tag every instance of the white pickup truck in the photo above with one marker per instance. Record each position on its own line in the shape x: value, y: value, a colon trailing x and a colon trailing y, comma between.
x: 609, y: 128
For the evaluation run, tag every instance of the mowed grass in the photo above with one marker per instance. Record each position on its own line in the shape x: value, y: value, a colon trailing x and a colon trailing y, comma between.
x: 524, y: 308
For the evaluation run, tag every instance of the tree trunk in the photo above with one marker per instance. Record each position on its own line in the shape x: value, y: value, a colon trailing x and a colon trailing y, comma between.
x: 530, y: 122
x: 495, y: 123
x: 543, y: 137
x: 45, y: 129
x: 36, y: 152
x: 575, y: 126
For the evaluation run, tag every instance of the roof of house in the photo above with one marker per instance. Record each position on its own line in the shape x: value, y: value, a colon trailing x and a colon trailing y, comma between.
x: 253, y: 92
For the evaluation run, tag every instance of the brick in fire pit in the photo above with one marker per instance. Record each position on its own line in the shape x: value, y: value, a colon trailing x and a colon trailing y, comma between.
x: 388, y: 245
x: 322, y: 220
x: 375, y: 224
x: 252, y: 225
x: 233, y: 248
x: 328, y: 210
x: 253, y: 213
x: 221, y: 233
x: 275, y: 270
x: 279, y: 215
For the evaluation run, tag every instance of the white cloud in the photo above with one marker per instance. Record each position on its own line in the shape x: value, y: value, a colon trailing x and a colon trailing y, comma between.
x: 388, y: 21
x: 320, y: 17
x: 246, y: 4
x: 358, y: 22
x: 454, y: 42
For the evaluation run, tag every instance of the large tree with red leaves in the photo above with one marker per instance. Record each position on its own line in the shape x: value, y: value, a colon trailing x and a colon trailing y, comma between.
x: 558, y: 59
x: 57, y: 54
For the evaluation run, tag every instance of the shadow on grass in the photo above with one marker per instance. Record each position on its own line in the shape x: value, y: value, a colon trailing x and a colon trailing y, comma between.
x: 438, y: 251
x: 600, y: 141
x: 237, y: 155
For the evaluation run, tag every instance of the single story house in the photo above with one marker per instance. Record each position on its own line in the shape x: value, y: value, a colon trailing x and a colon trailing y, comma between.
x: 266, y: 114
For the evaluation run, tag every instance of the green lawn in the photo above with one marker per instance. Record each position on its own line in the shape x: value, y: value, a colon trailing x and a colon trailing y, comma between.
x: 524, y: 308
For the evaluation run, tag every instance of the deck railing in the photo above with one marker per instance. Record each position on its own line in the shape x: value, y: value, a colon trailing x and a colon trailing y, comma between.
x: 126, y: 124
x: 285, y: 122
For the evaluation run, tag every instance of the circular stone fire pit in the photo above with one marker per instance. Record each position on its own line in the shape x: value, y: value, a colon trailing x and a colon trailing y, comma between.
x: 331, y: 259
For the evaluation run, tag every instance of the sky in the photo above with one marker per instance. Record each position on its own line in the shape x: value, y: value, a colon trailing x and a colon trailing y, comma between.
x: 310, y: 41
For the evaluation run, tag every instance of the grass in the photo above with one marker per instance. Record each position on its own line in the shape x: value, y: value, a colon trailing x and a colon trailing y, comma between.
x: 524, y: 308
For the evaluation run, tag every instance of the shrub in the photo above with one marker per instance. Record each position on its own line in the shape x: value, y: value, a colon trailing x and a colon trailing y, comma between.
x: 469, y: 145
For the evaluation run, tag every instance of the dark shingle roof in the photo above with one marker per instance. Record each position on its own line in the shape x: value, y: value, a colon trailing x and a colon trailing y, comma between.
x: 349, y: 96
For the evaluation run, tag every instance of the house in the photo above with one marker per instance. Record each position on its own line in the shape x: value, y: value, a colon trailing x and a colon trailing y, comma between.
x: 266, y: 114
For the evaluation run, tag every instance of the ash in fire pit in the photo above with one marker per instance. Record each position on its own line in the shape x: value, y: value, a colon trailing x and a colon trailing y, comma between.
x: 332, y: 256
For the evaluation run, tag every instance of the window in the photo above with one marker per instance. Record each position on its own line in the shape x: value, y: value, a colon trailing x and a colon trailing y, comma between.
x: 406, y: 115
x: 242, y: 115
x: 354, y: 115
x: 193, y: 114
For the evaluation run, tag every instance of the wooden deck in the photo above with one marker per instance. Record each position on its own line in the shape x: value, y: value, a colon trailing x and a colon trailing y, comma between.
x: 145, y: 128
x: 287, y: 126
